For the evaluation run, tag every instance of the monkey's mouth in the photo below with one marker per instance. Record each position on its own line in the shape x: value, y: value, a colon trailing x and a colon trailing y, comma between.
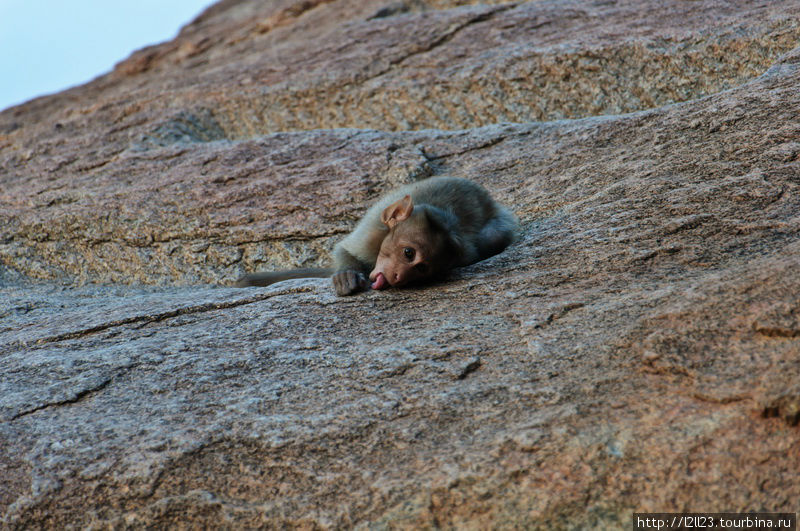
x: 380, y: 282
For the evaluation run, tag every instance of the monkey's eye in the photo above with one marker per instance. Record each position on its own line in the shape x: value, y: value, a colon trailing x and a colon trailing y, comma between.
x: 408, y: 252
x: 422, y: 268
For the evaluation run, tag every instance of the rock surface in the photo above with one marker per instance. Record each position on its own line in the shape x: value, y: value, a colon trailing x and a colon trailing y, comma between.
x: 637, y: 350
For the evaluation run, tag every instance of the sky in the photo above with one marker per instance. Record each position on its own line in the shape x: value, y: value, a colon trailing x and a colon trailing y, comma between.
x: 49, y: 45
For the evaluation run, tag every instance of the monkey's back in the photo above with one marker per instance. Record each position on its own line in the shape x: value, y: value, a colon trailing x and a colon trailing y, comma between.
x: 467, y: 200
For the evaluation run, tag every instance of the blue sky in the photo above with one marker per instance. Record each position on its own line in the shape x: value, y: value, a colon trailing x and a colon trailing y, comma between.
x: 49, y: 45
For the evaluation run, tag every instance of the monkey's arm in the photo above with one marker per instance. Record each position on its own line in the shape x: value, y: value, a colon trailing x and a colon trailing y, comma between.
x: 351, y: 273
x: 266, y: 278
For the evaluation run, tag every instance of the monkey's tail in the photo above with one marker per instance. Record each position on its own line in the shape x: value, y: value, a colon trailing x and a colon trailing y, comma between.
x: 266, y: 278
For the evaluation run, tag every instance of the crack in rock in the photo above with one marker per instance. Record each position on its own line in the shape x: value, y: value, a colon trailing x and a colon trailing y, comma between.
x: 77, y: 397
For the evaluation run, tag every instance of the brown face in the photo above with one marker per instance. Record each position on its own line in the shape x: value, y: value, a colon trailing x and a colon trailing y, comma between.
x: 412, y: 250
x: 401, y: 260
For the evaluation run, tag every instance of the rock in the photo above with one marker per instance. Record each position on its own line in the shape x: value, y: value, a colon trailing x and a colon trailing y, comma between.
x: 636, y: 350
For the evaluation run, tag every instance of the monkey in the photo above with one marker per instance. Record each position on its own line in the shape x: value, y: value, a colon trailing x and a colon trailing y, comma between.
x: 417, y: 232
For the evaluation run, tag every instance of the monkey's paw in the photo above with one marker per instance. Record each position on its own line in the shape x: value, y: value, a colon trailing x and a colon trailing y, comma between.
x: 349, y: 282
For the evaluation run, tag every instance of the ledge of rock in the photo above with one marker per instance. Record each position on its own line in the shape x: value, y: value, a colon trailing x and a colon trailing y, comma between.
x: 637, y: 350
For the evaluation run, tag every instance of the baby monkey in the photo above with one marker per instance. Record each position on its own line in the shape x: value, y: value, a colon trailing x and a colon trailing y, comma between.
x: 419, y: 231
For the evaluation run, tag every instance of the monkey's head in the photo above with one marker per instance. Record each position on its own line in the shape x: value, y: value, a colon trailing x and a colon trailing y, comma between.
x: 418, y: 245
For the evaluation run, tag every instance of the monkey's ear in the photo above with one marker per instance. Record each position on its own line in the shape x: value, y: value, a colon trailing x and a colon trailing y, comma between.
x: 397, y: 212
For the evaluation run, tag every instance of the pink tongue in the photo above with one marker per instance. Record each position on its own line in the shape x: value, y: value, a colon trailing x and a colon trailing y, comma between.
x: 380, y: 282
